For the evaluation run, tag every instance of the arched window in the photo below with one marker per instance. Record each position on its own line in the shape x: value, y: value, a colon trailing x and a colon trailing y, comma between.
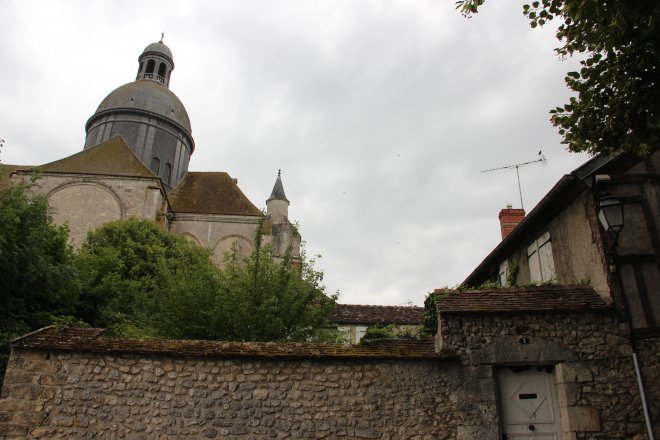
x: 155, y: 165
x: 151, y: 65
x: 167, y: 173
x: 161, y: 70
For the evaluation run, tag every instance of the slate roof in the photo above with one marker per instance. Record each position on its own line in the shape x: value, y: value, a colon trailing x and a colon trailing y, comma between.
x: 278, y: 190
x: 521, y: 299
x: 210, y: 193
x: 367, y: 314
x: 93, y: 340
x: 112, y: 157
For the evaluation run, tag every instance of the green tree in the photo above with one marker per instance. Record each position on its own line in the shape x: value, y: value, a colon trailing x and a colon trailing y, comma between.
x: 38, y: 278
x: 262, y: 299
x: 132, y: 271
x: 617, y: 107
x: 140, y: 280
x: 430, y: 316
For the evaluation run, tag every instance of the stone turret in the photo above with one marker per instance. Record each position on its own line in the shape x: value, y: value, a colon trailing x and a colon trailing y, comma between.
x: 284, y: 234
x: 277, y: 205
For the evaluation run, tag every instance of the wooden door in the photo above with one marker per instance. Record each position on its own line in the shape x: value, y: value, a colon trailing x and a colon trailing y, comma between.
x: 528, y: 403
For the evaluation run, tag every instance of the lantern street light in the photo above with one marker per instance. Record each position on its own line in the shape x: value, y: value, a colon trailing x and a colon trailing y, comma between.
x: 610, y: 213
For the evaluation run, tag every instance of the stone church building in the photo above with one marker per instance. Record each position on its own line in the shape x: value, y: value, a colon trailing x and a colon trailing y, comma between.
x: 135, y: 164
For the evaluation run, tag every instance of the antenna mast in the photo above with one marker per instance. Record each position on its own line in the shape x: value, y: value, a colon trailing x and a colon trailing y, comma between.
x: 541, y: 159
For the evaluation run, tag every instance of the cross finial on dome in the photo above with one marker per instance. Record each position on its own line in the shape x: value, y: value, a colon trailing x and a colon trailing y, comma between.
x: 162, y: 35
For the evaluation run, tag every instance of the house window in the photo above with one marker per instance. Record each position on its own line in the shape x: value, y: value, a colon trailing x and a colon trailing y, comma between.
x: 360, y: 331
x: 504, y: 272
x: 541, y: 263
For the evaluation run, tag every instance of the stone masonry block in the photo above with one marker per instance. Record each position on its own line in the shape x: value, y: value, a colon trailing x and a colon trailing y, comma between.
x: 13, y: 430
x: 477, y: 390
x: 579, y: 419
x: 567, y: 394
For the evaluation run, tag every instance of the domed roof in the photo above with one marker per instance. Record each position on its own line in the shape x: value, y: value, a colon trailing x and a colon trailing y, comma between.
x: 147, y: 96
x: 159, y: 47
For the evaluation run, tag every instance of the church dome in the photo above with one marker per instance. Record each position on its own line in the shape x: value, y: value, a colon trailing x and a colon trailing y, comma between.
x: 146, y: 96
x: 149, y: 117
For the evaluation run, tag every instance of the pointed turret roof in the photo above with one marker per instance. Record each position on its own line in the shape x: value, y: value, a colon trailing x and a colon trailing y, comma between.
x: 278, y: 189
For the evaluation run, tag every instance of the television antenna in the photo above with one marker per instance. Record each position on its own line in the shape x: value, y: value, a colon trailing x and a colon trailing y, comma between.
x: 541, y: 159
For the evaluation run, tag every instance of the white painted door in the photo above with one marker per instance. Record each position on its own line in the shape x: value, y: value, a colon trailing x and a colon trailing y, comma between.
x: 528, y: 403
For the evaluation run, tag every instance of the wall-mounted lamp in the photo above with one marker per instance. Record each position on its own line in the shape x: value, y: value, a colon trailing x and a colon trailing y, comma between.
x: 610, y: 213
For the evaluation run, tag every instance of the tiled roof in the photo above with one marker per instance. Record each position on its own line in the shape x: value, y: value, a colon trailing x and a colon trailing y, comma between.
x: 92, y: 340
x: 521, y: 299
x: 366, y: 314
x: 210, y: 193
x: 6, y: 170
x: 112, y: 157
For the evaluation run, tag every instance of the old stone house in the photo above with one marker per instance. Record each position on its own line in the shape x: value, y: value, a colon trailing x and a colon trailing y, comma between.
x: 135, y: 164
x: 562, y: 241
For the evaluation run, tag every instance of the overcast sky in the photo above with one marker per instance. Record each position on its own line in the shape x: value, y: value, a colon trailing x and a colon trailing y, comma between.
x: 380, y: 114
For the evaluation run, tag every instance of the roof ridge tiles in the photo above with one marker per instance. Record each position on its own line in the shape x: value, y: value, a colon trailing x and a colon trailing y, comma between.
x: 93, y: 340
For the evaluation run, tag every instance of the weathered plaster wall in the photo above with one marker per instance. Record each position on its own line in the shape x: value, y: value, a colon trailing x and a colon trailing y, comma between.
x: 575, y: 249
x: 87, y: 202
x: 73, y: 395
x: 218, y: 232
x: 592, y: 362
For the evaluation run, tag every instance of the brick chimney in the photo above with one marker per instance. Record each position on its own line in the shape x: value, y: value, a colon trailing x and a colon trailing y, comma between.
x: 509, y: 219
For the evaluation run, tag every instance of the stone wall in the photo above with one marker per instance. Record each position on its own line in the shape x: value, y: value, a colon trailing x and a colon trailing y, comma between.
x: 74, y: 395
x: 593, y: 368
x: 218, y: 233
x: 78, y: 383
x: 85, y: 202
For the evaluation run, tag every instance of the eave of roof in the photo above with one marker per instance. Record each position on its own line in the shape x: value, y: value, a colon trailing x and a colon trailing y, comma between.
x: 112, y: 157
x: 210, y: 193
x: 566, y: 298
x: 6, y: 170
x: 93, y: 340
x: 563, y: 193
